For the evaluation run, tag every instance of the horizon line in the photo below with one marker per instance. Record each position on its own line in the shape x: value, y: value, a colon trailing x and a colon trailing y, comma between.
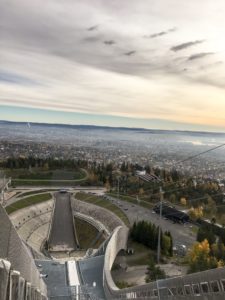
x: 111, y: 127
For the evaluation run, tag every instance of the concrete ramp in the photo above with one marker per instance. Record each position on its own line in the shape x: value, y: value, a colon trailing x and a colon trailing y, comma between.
x: 62, y: 232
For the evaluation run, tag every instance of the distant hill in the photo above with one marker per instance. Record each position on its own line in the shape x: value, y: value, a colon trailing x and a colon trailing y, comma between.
x: 94, y: 127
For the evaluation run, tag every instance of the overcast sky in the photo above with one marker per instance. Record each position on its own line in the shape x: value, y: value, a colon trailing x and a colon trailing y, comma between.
x: 136, y: 60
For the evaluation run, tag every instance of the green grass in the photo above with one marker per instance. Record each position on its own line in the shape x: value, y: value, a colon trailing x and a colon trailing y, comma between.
x: 86, y: 234
x: 133, y: 200
x: 38, y: 176
x: 124, y: 284
x: 31, y: 193
x: 100, y: 201
x: 141, y: 254
x: 124, y: 197
x: 27, y: 202
x: 24, y: 182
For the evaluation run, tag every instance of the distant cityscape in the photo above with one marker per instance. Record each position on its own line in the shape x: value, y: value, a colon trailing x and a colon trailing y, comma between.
x: 157, y: 148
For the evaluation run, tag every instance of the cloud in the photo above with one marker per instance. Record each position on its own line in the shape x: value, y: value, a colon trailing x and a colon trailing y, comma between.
x: 130, y: 53
x: 185, y: 45
x: 92, y: 39
x: 161, y: 33
x: 109, y: 42
x: 92, y: 28
x: 212, y: 65
x: 199, y: 55
x: 79, y: 69
x: 12, y: 78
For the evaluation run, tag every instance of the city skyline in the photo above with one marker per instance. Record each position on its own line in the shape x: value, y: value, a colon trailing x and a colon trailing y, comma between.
x: 132, y: 64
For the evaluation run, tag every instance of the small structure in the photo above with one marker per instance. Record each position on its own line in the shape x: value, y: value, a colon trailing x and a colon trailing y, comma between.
x: 172, y: 213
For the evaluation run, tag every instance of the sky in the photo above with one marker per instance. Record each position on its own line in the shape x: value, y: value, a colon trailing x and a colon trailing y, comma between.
x: 135, y: 63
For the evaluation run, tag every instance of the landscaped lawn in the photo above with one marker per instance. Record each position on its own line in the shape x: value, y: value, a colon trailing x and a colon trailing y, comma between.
x: 133, y: 200
x: 27, y: 202
x: 38, y: 176
x: 100, y: 201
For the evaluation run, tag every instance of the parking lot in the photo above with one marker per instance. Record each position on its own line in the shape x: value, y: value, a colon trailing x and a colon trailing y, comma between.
x: 182, y: 233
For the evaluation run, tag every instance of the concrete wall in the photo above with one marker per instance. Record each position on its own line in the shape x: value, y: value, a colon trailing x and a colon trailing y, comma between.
x: 14, y: 287
x: 207, y: 285
x: 4, y: 278
x: 32, y: 223
x: 104, y: 216
x: 98, y: 225
x: 13, y: 250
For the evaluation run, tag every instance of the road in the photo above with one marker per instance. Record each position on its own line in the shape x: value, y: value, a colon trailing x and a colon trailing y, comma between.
x: 62, y: 236
x: 182, y: 233
x: 15, y: 197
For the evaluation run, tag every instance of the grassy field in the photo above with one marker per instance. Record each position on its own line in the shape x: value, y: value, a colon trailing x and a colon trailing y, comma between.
x: 86, y: 233
x: 27, y: 202
x: 24, y: 182
x: 133, y: 200
x: 38, y: 176
x: 100, y: 201
x: 30, y: 193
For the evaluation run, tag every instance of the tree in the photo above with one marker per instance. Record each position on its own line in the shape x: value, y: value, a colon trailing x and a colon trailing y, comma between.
x: 146, y: 233
x: 218, y: 250
x: 107, y: 186
x: 166, y: 244
x: 200, y: 259
x: 196, y: 213
x: 172, y: 198
x: 154, y: 272
x: 205, y: 232
x: 141, y: 191
x: 183, y: 201
x: 210, y: 208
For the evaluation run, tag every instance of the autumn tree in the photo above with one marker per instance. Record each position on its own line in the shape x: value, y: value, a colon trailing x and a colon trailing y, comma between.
x: 183, y: 201
x: 196, y: 213
x: 200, y: 259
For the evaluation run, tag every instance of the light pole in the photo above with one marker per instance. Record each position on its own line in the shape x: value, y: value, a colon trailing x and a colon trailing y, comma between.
x: 160, y: 217
x: 118, y: 187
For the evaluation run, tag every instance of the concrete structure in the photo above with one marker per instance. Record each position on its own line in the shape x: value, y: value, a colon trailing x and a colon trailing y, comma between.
x: 102, y: 215
x: 17, y: 265
x: 33, y: 222
x: 4, y: 186
x: 20, y: 279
